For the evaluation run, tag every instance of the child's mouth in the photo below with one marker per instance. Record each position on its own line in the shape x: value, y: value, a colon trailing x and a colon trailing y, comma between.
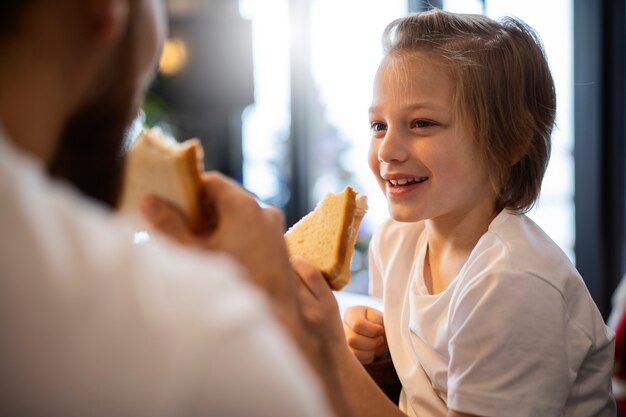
x: 402, y: 182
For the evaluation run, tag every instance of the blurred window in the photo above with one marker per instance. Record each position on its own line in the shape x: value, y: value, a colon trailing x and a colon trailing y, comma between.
x: 266, y: 122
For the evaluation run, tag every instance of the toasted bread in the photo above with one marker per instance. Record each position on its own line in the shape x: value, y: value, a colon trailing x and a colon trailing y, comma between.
x: 158, y: 165
x: 326, y: 236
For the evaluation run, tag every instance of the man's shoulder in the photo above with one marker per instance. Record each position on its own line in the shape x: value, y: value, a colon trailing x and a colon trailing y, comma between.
x: 51, y: 231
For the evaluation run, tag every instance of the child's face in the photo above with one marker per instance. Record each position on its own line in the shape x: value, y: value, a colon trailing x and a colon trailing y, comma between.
x: 423, y: 156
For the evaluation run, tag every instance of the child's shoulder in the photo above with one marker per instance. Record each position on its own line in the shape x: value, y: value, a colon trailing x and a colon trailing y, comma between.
x: 522, y: 242
x: 516, y: 246
x: 516, y: 263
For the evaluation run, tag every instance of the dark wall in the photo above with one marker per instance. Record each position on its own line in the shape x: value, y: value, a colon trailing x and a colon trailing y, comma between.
x: 599, y: 94
x: 207, y: 97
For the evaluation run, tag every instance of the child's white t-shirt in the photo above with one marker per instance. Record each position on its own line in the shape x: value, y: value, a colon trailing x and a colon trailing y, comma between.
x: 515, y: 333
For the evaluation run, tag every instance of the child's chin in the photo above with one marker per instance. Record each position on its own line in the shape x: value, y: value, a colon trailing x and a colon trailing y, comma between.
x: 404, y: 216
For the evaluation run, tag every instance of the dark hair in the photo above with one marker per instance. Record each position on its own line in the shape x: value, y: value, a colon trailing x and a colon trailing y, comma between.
x: 504, y: 90
x: 11, y: 12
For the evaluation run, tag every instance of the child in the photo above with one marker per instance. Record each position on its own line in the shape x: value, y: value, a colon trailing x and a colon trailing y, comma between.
x: 483, y: 314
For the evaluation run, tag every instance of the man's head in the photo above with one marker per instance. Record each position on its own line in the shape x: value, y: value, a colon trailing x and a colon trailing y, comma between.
x: 103, y: 53
x: 10, y: 10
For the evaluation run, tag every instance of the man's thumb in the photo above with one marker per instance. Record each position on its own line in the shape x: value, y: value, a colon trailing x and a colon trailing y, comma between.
x: 167, y: 219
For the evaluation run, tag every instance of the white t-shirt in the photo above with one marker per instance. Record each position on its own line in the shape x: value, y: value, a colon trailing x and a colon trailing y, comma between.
x: 515, y: 333
x: 92, y: 325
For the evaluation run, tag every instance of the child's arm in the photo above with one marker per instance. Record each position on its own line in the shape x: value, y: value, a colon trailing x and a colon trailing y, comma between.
x: 365, y: 333
x: 321, y: 319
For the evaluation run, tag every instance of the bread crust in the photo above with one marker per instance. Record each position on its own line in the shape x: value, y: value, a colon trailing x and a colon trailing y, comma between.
x: 160, y: 166
x: 342, y: 278
x: 341, y: 242
x: 190, y: 179
x: 326, y: 236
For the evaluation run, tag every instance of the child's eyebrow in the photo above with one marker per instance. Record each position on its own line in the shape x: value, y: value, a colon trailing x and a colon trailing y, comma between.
x: 424, y: 105
x: 415, y: 106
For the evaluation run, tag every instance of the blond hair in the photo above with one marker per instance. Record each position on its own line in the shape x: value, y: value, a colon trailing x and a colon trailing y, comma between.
x: 503, y: 90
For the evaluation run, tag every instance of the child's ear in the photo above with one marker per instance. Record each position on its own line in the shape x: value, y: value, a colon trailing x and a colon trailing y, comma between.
x: 106, y: 20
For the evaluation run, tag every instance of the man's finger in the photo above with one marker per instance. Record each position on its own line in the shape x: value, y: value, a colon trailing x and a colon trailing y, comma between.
x: 208, y: 214
x: 219, y: 189
x: 312, y: 279
x: 167, y: 219
x: 215, y: 181
x: 277, y: 216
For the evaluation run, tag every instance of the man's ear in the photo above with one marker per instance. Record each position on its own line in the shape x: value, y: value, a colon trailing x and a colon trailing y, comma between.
x: 107, y: 19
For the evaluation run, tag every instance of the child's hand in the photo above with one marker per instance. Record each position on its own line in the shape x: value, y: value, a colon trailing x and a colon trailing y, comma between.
x: 365, y: 333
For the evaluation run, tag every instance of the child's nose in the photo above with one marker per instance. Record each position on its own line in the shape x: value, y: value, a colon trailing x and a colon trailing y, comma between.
x: 392, y: 147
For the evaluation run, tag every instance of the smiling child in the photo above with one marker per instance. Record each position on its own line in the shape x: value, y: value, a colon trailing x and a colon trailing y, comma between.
x: 484, y: 314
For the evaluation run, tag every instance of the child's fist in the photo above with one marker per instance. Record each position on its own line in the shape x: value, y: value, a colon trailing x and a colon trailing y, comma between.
x: 365, y: 333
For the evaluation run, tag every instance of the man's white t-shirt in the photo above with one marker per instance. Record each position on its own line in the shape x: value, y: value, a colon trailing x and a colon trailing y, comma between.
x: 515, y: 333
x: 92, y: 325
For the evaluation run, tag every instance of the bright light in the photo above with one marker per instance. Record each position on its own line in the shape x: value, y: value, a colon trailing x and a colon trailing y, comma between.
x: 174, y: 56
x: 266, y: 122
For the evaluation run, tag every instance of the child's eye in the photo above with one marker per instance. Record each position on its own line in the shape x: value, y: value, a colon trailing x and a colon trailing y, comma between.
x: 377, y: 126
x: 421, y: 124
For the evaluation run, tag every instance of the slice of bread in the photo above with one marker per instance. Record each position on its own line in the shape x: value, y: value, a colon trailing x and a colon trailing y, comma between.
x: 158, y: 165
x: 326, y: 236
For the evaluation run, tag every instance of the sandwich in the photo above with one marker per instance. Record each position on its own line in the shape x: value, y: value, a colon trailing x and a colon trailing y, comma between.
x: 326, y: 236
x: 158, y: 165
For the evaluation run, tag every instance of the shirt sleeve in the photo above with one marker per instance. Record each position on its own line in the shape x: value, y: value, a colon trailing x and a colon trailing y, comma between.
x: 509, y: 347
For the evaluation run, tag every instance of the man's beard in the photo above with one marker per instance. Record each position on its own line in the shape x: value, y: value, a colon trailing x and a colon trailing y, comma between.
x: 89, y: 154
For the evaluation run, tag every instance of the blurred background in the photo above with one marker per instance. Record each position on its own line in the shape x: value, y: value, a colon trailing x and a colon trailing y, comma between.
x: 278, y: 91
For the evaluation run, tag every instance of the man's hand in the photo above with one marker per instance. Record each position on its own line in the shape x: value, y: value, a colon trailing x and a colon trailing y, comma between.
x: 365, y: 333
x: 318, y: 305
x: 232, y: 221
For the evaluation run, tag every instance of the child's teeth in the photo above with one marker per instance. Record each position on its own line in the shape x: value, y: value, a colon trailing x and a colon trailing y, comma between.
x: 405, y: 181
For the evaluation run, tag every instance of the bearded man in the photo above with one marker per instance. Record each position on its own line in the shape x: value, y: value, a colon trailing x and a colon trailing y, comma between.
x: 91, y: 324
